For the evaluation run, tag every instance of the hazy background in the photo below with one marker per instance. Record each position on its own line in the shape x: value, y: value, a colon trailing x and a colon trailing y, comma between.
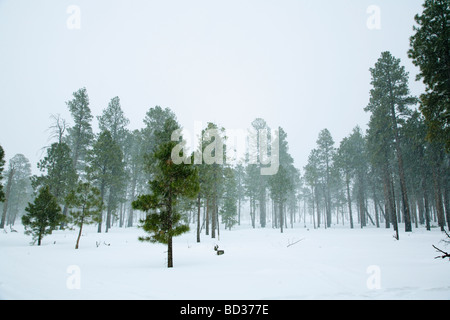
x: 302, y: 65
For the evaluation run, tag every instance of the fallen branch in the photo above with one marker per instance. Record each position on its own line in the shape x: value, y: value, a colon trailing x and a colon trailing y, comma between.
x: 291, y: 244
x: 445, y: 254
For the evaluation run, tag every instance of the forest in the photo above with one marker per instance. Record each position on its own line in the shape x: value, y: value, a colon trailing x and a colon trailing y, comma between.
x: 395, y: 172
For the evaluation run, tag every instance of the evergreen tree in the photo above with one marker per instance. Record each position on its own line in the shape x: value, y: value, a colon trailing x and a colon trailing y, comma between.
x: 251, y: 188
x: 169, y: 183
x: 239, y: 173
x: 211, y: 172
x: 351, y: 158
x: 80, y: 134
x: 113, y: 119
x: 380, y: 147
x: 154, y: 121
x: 418, y: 165
x: 2, y: 163
x: 228, y: 210
x: 105, y: 169
x: 19, y: 188
x: 43, y: 216
x: 281, y: 184
x: 430, y: 51
x: 325, y: 148
x: 312, y: 179
x: 359, y: 168
x: 135, y: 167
x: 390, y: 95
x: 87, y: 205
x: 60, y: 174
x: 344, y: 159
x: 260, y: 127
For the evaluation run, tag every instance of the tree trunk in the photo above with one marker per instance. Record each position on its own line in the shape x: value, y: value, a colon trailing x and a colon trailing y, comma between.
x: 239, y: 210
x: 394, y: 210
x: 447, y: 202
x: 404, y: 195
x: 198, y: 217
x: 213, y: 218
x: 79, y: 234
x: 253, y: 212
x: 40, y: 234
x: 262, y: 208
x: 317, y: 207
x: 7, y: 194
x: 281, y: 216
x: 375, y: 201
x: 438, y: 198
x: 361, y: 204
x: 387, y: 202
x: 313, y: 209
x: 132, y: 196
x: 427, y: 210
x: 169, y: 233
x: 207, y: 217
x: 108, y: 211
x: 169, y: 252
x: 102, y: 196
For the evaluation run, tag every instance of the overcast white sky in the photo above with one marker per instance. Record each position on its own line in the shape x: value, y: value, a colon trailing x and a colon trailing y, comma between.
x: 299, y: 64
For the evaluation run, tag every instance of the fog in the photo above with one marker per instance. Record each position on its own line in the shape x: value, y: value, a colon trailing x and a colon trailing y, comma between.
x: 301, y: 65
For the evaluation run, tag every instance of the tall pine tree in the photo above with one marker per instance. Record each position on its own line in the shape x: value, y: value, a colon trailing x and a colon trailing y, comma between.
x: 105, y: 169
x: 390, y: 96
x: 2, y: 163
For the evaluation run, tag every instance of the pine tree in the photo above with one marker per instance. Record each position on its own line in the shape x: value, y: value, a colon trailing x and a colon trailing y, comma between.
x: 239, y: 173
x: 344, y: 161
x: 211, y: 174
x: 135, y: 168
x: 154, y: 121
x: 44, y: 215
x: 351, y: 158
x: 251, y: 188
x: 60, y: 174
x: 281, y: 184
x: 169, y: 183
x: 430, y: 51
x: 113, y: 119
x: 325, y: 148
x: 418, y: 165
x: 18, y: 189
x: 312, y: 179
x: 2, y: 163
x: 380, y: 147
x: 105, y: 169
x: 390, y: 95
x: 80, y: 134
x: 228, y: 210
x: 86, y: 203
x: 261, y: 128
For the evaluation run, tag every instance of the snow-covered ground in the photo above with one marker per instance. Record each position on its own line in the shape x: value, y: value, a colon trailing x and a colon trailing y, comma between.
x: 336, y: 263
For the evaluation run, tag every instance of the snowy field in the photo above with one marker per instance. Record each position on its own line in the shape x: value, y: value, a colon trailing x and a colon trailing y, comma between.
x: 258, y: 264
